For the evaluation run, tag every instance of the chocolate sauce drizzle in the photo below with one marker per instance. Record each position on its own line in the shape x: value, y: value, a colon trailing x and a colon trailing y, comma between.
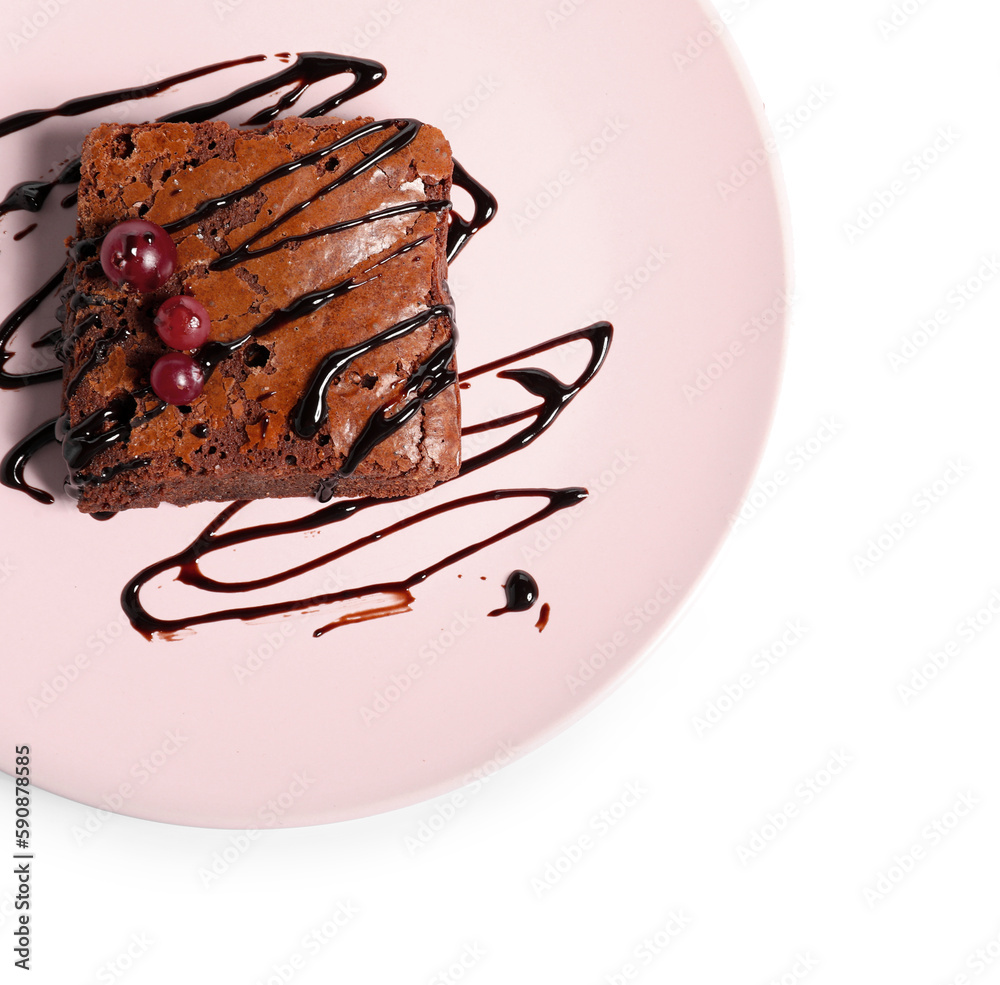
x: 14, y: 381
x: 521, y: 591
x: 108, y: 426
x: 484, y: 210
x: 308, y: 68
x: 434, y: 376
x: 312, y: 410
x: 114, y: 423
x: 12, y: 466
x: 555, y: 394
x: 395, y: 596
x: 433, y: 206
x: 406, y: 132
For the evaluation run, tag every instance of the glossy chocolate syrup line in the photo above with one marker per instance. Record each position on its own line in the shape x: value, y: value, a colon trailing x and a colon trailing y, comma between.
x: 87, y: 104
x: 107, y: 426
x: 98, y: 355
x: 556, y: 395
x: 484, y: 210
x: 308, y: 68
x: 12, y: 467
x: 14, y: 381
x: 314, y: 65
x: 90, y: 436
x: 390, y: 145
x: 521, y: 591
x: 460, y: 230
x: 187, y: 562
x: 30, y: 196
x: 404, y: 136
x: 431, y: 377
x: 598, y: 335
x: 312, y: 410
x: 107, y: 474
x: 50, y: 338
x: 439, y: 205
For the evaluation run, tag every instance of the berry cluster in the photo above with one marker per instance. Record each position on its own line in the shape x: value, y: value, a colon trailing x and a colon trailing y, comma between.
x: 142, y: 255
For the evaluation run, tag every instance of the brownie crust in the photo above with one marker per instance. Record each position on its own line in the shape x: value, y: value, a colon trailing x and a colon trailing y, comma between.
x: 236, y: 440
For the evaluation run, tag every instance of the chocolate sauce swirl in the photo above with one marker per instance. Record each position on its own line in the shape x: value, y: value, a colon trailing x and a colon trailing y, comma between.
x: 104, y: 428
x: 484, y: 209
x: 406, y: 132
x: 14, y: 381
x: 556, y: 396
x: 12, y: 466
x: 310, y: 67
x: 83, y: 442
x: 312, y: 410
x: 307, y: 69
x: 398, y: 592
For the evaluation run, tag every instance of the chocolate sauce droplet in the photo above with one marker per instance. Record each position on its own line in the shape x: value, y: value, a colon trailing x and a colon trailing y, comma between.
x: 521, y: 591
x: 543, y: 617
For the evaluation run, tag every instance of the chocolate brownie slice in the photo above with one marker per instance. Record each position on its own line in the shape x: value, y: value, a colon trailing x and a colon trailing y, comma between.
x: 318, y: 247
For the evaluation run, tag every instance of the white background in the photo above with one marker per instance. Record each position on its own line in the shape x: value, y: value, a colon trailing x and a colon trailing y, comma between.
x: 830, y: 819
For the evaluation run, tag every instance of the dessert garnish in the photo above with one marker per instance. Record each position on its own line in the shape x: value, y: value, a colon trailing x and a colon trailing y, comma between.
x: 182, y: 322
x: 138, y: 253
x: 134, y: 409
x: 176, y: 378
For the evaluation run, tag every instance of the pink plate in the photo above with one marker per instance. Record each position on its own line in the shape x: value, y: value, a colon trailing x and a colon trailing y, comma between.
x: 628, y: 155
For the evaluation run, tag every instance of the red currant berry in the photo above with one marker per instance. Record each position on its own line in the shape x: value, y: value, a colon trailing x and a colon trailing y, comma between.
x: 177, y: 378
x: 138, y: 253
x: 182, y: 322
